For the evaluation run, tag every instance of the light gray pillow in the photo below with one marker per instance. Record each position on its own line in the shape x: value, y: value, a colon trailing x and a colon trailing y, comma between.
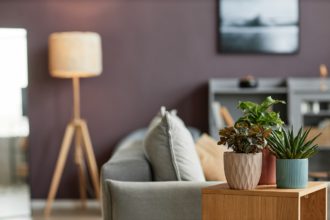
x: 171, y: 151
x: 157, y: 119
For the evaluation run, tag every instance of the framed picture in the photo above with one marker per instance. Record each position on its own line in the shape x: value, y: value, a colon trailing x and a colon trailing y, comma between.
x: 258, y: 26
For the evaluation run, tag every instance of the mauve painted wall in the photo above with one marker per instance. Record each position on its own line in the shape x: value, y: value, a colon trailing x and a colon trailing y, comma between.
x: 156, y: 52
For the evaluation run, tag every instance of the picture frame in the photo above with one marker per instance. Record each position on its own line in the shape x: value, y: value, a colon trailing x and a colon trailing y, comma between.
x: 258, y: 27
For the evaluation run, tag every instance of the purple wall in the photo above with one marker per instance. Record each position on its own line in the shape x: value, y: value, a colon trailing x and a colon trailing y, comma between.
x: 156, y: 52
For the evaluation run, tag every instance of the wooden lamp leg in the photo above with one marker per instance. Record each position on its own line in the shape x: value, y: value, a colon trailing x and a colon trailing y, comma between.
x: 79, y: 159
x: 79, y: 153
x: 82, y: 130
x: 69, y: 132
x: 92, y: 165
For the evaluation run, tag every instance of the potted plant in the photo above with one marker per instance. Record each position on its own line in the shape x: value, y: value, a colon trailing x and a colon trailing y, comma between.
x: 292, y: 153
x: 243, y: 165
x: 262, y: 115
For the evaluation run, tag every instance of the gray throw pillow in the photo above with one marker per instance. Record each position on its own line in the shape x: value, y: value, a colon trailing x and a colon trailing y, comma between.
x: 171, y: 151
x: 157, y: 119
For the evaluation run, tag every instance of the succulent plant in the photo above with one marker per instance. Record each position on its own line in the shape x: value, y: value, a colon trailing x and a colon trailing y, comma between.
x: 260, y: 114
x: 244, y: 138
x: 285, y: 145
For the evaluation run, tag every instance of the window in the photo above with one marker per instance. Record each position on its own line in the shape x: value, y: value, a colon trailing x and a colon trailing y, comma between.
x: 13, y: 81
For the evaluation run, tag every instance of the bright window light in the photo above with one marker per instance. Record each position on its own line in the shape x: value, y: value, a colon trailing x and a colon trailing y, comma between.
x: 13, y: 78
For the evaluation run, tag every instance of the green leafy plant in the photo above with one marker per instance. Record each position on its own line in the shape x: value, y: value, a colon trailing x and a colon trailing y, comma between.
x: 285, y: 145
x: 260, y: 114
x: 244, y: 138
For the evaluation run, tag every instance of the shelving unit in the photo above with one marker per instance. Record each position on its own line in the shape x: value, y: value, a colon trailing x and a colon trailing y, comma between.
x: 302, y: 92
x: 297, y: 92
x: 227, y: 92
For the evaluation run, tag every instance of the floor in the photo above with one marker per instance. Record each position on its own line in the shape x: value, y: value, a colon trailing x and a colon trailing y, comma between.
x: 14, y: 200
x: 61, y: 210
x: 66, y: 210
x: 63, y: 214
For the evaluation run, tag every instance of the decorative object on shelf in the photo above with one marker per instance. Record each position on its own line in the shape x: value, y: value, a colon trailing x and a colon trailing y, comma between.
x: 74, y: 55
x: 323, y: 71
x: 292, y: 153
x: 262, y: 115
x: 248, y: 81
x: 306, y: 107
x: 258, y: 26
x: 323, y: 75
x: 243, y: 165
x: 316, y: 107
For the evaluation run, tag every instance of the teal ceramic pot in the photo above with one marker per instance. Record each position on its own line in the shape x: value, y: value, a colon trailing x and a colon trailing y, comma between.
x: 291, y: 173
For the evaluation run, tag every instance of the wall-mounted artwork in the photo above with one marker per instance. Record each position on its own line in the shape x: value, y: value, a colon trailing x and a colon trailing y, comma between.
x: 258, y: 26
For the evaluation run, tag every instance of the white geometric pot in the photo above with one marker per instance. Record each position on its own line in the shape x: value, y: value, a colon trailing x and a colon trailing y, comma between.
x: 242, y: 171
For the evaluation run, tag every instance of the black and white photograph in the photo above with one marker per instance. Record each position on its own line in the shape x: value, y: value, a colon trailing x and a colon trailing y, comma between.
x: 258, y: 26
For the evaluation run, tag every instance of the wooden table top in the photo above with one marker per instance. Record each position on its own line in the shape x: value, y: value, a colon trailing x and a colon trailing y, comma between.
x: 266, y: 190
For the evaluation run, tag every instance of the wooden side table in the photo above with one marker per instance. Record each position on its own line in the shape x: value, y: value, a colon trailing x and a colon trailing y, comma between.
x: 265, y: 203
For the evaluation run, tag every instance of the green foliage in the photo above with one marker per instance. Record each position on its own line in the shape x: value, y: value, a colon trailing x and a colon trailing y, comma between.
x: 260, y: 114
x: 285, y: 145
x: 244, y: 138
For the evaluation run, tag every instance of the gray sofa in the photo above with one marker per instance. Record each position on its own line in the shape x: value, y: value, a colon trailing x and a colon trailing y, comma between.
x: 128, y: 191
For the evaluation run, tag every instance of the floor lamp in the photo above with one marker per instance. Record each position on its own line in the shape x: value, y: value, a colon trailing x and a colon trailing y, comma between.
x: 74, y: 55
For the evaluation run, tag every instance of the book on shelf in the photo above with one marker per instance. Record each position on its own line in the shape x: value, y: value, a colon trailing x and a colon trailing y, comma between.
x: 218, y: 120
x: 227, y: 116
x: 221, y: 115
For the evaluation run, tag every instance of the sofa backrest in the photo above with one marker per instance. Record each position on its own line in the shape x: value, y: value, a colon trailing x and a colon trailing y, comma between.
x: 128, y: 162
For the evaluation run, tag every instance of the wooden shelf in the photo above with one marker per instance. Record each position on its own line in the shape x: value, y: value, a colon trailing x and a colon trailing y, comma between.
x: 319, y: 175
x: 324, y: 147
x: 320, y: 114
x: 261, y: 91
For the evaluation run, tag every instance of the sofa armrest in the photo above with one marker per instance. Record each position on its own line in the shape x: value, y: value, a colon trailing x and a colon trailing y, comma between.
x: 152, y: 200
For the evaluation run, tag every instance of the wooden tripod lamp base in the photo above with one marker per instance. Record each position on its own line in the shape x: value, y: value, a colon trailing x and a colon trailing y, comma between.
x: 83, y: 146
x: 74, y: 55
x: 77, y: 128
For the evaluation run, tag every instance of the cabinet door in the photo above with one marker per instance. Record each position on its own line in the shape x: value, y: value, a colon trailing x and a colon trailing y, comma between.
x: 233, y: 207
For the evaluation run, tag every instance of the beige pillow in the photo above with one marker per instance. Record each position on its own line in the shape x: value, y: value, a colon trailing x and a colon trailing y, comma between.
x: 211, y: 157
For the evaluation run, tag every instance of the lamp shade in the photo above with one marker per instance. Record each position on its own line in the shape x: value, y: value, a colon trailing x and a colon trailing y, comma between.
x: 75, y: 54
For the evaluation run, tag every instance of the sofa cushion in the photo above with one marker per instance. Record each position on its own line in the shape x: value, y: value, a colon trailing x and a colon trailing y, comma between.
x: 171, y: 151
x: 211, y: 157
